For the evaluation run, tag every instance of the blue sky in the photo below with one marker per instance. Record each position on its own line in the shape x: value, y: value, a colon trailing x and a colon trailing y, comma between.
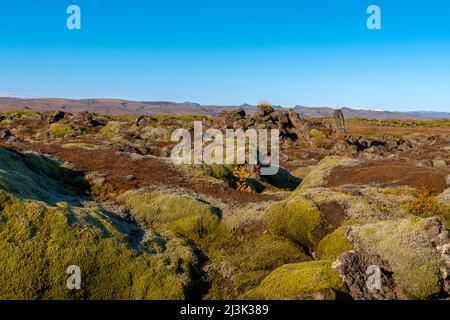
x: 314, y: 53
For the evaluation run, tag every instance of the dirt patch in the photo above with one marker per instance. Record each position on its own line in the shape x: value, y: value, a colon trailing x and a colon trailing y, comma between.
x: 128, y: 174
x: 334, y: 213
x: 390, y: 174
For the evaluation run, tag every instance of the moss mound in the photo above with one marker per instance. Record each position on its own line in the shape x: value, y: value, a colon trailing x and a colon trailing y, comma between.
x: 41, y: 242
x: 299, y: 281
x: 60, y: 130
x: 333, y: 245
x: 178, y: 213
x: 405, y: 246
x: 298, y: 220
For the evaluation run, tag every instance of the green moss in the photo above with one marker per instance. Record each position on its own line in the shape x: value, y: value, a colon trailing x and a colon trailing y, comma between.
x: 298, y: 220
x: 103, y: 192
x: 317, y: 177
x: 298, y: 281
x: 265, y: 108
x: 425, y: 204
x: 182, y: 214
x: 220, y: 172
x: 405, y: 246
x: 317, y: 134
x: 38, y: 243
x: 242, y: 265
x: 333, y: 245
x: 33, y: 176
x: 111, y: 129
x: 60, y: 130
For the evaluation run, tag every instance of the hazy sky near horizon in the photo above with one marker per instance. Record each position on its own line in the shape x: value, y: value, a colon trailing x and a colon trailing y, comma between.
x: 288, y: 52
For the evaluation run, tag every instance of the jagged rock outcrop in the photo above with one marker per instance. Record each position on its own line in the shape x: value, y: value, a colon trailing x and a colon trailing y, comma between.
x: 56, y: 116
x: 86, y: 119
x: 292, y: 127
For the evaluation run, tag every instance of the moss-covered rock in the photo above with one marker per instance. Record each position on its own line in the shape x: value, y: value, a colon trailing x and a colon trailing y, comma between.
x: 179, y: 213
x: 59, y: 130
x: 409, y: 253
x: 111, y: 129
x: 333, y: 245
x: 299, y: 220
x: 317, y: 177
x: 38, y: 243
x: 299, y: 281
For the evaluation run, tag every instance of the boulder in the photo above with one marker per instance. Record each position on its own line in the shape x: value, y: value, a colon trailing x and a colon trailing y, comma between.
x: 411, y: 255
x: 4, y: 133
x: 85, y: 118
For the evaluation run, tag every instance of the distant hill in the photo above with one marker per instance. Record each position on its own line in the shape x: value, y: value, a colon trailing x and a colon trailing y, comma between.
x: 115, y: 106
x: 430, y: 114
x: 324, y: 112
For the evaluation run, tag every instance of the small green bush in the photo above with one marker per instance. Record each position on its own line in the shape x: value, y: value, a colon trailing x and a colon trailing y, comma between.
x: 425, y: 204
x: 60, y: 130
x: 102, y: 192
x: 111, y: 129
x: 317, y: 134
x: 220, y: 172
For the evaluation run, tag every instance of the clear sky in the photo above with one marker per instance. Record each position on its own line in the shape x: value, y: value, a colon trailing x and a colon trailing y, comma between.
x: 314, y: 53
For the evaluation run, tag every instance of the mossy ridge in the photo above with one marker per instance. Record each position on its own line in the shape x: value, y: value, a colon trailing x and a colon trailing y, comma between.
x: 32, y: 176
x: 179, y: 213
x: 405, y: 246
x: 368, y: 204
x: 299, y: 220
x: 39, y: 241
x: 299, y: 281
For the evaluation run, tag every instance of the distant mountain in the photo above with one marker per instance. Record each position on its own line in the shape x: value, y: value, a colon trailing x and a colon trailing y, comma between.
x: 11, y: 95
x: 430, y: 114
x: 117, y: 106
x: 326, y: 112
